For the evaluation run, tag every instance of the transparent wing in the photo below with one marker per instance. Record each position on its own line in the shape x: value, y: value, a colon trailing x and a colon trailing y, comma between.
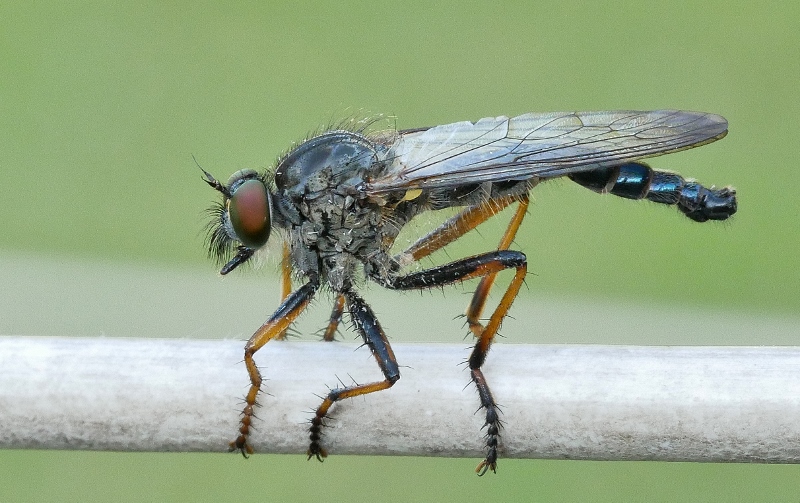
x: 543, y: 145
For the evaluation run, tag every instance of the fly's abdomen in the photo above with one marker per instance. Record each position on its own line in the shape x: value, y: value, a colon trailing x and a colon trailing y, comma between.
x: 638, y: 181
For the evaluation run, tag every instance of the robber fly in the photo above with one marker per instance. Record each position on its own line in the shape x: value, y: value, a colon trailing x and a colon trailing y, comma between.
x: 341, y: 197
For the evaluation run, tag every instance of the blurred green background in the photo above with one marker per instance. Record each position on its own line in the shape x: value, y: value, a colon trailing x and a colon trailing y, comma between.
x: 102, y: 106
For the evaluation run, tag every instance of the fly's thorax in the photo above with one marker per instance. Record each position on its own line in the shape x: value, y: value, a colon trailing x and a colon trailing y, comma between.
x: 333, y: 227
x: 336, y: 232
x: 336, y: 223
x: 335, y: 159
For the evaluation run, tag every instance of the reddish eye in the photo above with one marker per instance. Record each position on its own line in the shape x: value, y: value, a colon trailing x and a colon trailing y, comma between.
x: 249, y: 212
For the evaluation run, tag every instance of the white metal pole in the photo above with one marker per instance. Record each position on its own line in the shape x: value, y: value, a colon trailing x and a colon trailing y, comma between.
x: 733, y: 404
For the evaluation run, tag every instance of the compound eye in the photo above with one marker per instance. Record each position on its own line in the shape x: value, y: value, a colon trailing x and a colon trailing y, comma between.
x: 249, y: 213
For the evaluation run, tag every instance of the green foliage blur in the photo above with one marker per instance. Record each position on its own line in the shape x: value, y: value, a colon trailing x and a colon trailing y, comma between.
x: 102, y: 107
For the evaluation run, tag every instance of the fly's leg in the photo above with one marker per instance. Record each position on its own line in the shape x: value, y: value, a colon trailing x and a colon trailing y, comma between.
x: 277, y: 324
x: 455, y: 227
x: 367, y: 325
x: 476, y: 360
x: 286, y: 280
x: 473, y: 267
x: 478, y: 302
x: 286, y: 289
x: 336, y: 317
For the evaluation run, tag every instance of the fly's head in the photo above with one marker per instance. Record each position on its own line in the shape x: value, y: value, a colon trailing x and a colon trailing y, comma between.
x: 242, y: 222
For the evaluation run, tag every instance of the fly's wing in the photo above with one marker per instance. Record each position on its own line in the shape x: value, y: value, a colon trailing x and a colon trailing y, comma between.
x: 543, y: 145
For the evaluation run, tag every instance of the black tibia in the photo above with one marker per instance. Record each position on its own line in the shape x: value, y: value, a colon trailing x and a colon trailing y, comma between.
x: 636, y: 181
x: 374, y: 337
x: 460, y: 270
x: 473, y: 267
